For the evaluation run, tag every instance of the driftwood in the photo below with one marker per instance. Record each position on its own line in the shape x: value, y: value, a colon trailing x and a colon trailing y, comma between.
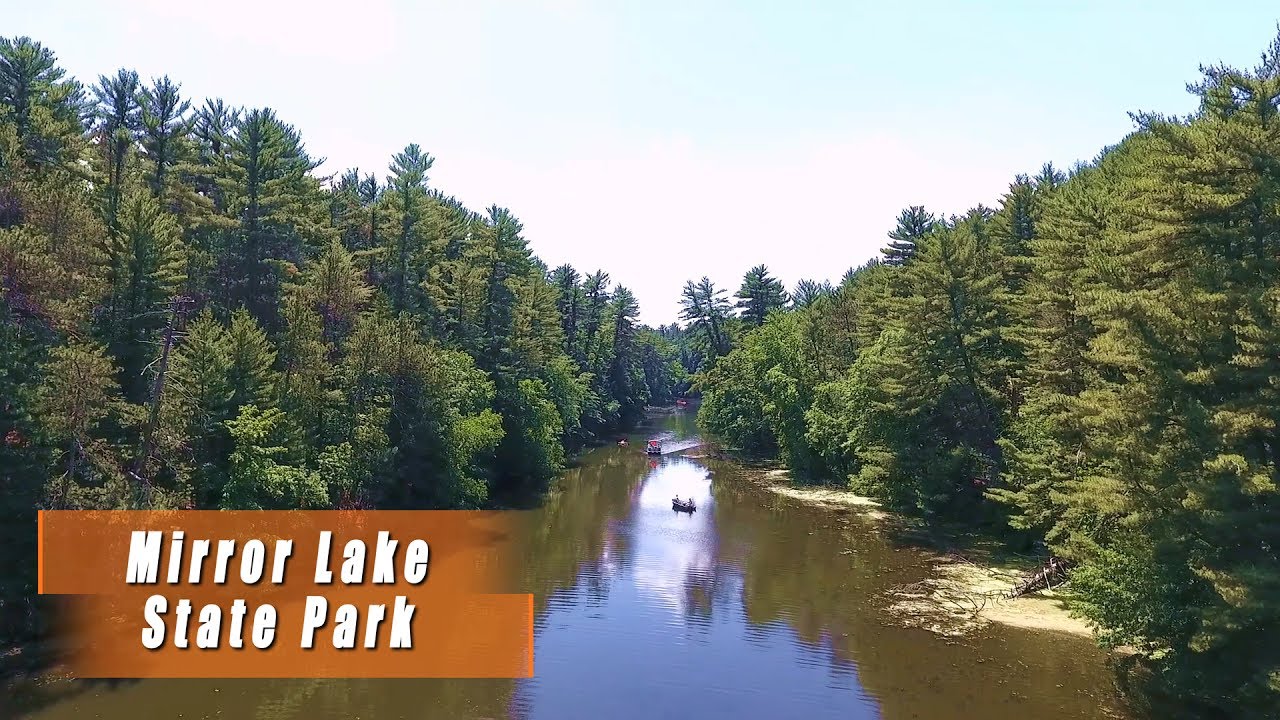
x: 1053, y: 572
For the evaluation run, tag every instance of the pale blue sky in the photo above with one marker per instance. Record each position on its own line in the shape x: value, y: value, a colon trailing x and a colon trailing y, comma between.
x: 666, y: 140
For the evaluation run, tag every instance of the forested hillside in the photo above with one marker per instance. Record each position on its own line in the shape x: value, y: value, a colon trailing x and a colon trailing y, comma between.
x: 1095, y: 362
x: 192, y: 317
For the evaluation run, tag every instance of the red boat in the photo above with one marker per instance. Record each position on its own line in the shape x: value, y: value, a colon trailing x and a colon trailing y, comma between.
x: 654, y: 448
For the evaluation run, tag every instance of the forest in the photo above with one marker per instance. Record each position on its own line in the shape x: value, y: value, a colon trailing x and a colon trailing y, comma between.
x: 191, y: 317
x: 1092, y: 364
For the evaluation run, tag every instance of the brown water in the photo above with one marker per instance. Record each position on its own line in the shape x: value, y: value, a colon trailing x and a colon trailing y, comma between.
x: 755, y: 606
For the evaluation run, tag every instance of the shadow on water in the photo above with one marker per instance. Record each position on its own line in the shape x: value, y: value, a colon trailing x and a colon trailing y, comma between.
x: 753, y: 606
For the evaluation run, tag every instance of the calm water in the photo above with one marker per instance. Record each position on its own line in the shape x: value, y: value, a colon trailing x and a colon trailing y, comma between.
x: 756, y: 606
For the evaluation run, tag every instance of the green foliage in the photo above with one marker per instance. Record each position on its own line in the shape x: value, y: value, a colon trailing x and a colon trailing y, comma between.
x: 148, y: 266
x: 256, y: 480
x: 44, y: 109
x: 756, y: 396
x: 808, y: 292
x: 1093, y: 362
x: 760, y: 295
x: 914, y: 223
x: 706, y: 310
x: 72, y: 404
x: 191, y: 318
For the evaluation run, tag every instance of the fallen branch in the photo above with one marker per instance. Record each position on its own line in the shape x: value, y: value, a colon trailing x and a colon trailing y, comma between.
x: 1055, y: 569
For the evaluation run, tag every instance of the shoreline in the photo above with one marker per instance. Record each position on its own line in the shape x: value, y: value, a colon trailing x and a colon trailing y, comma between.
x: 961, y: 594
x: 779, y: 482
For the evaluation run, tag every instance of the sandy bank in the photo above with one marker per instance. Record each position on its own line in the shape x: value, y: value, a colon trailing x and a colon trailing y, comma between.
x: 961, y: 594
x: 778, y: 481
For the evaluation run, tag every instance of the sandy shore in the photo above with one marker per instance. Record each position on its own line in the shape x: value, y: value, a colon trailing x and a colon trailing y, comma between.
x: 961, y: 594
x: 778, y: 481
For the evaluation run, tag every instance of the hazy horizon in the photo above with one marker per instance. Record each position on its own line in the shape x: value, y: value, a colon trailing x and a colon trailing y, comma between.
x: 664, y: 143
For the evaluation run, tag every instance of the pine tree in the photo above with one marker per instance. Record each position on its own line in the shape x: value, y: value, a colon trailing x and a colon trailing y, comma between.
x: 195, y: 442
x: 808, y: 291
x: 407, y: 183
x: 626, y: 377
x: 148, y: 265
x: 336, y: 290
x: 505, y: 255
x: 277, y: 206
x: 77, y: 393
x: 956, y: 365
x: 163, y: 125
x: 568, y: 302
x: 595, y: 298
x: 760, y: 295
x: 913, y: 224
x: 47, y: 111
x: 706, y: 309
x: 251, y: 374
x: 118, y: 119
x: 1183, y: 423
x: 305, y: 378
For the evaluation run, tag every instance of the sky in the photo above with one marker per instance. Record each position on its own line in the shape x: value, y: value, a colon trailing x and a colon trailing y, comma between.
x: 662, y: 141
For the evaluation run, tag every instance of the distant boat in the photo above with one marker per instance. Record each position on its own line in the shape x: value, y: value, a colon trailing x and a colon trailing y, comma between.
x: 683, y: 505
x: 654, y: 448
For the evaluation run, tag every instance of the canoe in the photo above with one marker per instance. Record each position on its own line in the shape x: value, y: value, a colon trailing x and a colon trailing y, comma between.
x: 681, y: 506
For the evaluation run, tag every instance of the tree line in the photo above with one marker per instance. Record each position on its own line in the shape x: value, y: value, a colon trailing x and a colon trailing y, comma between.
x: 1093, y: 363
x: 192, y: 317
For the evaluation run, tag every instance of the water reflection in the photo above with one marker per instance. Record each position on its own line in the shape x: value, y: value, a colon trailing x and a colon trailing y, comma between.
x: 754, y: 606
x: 676, y: 550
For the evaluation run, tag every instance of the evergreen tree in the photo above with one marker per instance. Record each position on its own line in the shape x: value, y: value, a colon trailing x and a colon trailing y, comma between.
x: 626, y: 376
x: 913, y: 224
x: 407, y: 184
x: 148, y: 265
x: 195, y: 442
x: 47, y: 111
x: 269, y: 191
x: 760, y: 295
x: 118, y: 119
x: 707, y: 310
x: 163, y: 125
x: 77, y: 394
x: 250, y: 371
x: 807, y: 292
x: 336, y: 289
x: 568, y: 303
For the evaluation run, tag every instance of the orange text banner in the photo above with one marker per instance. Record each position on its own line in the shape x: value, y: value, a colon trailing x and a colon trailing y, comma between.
x: 289, y: 594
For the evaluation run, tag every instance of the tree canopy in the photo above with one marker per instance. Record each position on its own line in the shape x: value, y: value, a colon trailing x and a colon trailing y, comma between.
x: 191, y: 317
x: 1092, y: 363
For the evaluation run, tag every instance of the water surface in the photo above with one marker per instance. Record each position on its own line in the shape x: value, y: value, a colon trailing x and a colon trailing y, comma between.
x: 755, y: 606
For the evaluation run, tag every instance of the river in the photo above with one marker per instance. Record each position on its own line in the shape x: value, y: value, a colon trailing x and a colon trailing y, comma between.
x: 755, y: 606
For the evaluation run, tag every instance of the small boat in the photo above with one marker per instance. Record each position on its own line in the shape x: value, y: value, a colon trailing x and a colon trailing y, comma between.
x: 654, y: 448
x: 683, y: 505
